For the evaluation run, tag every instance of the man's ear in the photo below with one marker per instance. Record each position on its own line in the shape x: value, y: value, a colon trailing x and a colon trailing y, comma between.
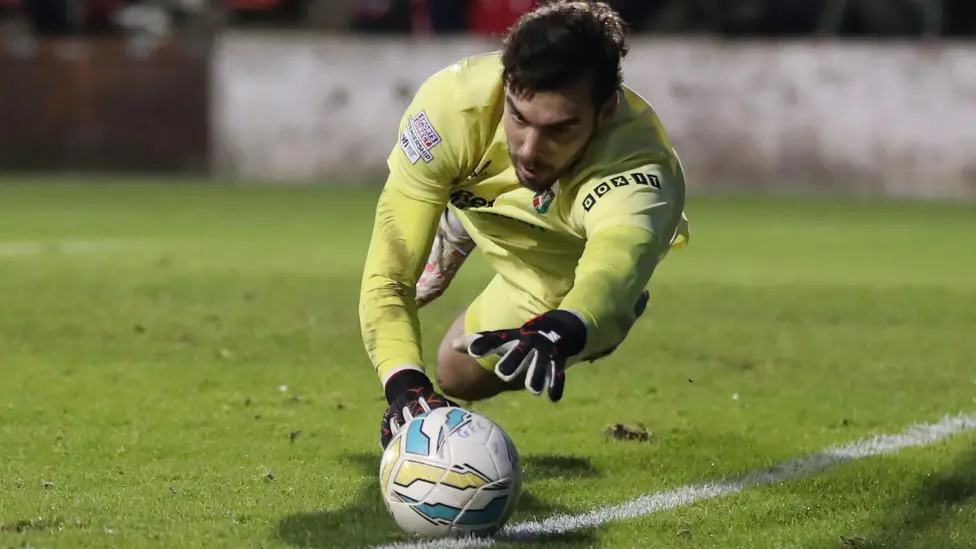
x: 608, y: 110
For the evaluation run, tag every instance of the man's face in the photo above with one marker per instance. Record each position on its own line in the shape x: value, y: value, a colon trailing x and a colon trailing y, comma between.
x: 547, y: 131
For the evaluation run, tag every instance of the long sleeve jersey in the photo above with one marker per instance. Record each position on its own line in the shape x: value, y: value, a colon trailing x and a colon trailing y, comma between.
x: 589, y: 245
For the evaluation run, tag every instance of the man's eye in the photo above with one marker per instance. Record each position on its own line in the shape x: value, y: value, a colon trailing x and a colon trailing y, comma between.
x: 560, y: 132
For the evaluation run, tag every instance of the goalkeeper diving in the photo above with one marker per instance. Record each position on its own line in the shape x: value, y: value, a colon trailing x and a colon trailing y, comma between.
x: 562, y: 177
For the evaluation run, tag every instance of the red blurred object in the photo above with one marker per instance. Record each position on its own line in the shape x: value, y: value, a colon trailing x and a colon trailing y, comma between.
x: 495, y: 17
x: 100, y: 13
x: 420, y: 17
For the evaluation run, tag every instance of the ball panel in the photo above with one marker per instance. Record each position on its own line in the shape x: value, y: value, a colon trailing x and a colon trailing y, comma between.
x: 498, y: 451
x: 410, y: 520
x: 475, y: 430
x: 463, y: 478
x: 389, y: 461
x: 515, y: 494
x: 455, y: 418
x: 416, y: 441
x: 469, y: 447
x: 488, y: 514
x: 415, y: 479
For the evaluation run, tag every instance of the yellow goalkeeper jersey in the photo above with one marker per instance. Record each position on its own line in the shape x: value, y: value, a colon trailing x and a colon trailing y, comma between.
x: 589, y: 245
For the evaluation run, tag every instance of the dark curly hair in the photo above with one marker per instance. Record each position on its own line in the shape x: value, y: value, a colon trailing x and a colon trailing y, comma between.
x: 550, y: 48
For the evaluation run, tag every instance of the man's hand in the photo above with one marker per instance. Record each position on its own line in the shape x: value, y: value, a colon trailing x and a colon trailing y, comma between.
x: 409, y: 393
x: 538, y: 349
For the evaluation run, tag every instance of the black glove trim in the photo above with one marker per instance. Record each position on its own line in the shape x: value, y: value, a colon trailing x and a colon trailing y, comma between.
x: 572, y: 329
x: 403, y: 381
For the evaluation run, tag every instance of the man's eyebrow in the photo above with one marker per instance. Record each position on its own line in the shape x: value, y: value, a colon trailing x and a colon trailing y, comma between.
x: 557, y: 124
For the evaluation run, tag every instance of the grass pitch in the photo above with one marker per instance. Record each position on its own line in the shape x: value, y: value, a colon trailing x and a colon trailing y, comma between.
x: 182, y: 367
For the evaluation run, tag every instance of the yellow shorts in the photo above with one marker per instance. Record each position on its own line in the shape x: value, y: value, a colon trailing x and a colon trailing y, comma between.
x: 501, y: 306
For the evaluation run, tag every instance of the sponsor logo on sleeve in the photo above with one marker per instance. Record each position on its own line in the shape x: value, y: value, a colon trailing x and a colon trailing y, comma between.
x: 636, y: 178
x: 408, y: 149
x: 428, y: 136
x: 418, y: 138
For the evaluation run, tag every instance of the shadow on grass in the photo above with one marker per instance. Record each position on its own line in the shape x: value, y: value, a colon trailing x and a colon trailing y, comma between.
x: 926, y: 521
x: 365, y: 521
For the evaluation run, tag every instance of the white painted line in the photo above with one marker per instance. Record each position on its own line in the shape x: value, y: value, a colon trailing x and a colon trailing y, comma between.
x: 917, y: 435
x: 67, y: 247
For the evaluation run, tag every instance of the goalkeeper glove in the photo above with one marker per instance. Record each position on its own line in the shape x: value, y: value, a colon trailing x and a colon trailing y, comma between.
x: 409, y: 394
x: 538, y: 349
x: 450, y: 249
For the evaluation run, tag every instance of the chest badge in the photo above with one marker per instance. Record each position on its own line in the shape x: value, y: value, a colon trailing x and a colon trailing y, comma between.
x: 543, y: 200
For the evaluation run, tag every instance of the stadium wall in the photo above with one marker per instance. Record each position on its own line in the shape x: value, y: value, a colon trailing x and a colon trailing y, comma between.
x: 70, y: 105
x: 896, y: 119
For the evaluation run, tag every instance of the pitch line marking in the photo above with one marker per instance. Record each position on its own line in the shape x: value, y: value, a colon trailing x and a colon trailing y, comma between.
x: 917, y: 435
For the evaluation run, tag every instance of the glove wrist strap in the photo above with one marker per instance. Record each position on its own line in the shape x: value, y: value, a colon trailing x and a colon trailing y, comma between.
x: 403, y: 381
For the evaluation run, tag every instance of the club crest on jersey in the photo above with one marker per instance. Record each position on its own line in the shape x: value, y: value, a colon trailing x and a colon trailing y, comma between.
x: 543, y: 200
x: 418, y: 138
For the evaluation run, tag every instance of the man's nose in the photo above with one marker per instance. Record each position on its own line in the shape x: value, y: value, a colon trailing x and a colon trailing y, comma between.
x: 530, y: 145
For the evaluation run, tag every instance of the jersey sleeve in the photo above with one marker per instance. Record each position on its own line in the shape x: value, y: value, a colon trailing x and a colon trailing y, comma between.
x: 422, y: 167
x: 631, y: 220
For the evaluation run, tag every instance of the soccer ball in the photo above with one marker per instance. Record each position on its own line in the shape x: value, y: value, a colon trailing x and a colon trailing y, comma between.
x: 451, y: 472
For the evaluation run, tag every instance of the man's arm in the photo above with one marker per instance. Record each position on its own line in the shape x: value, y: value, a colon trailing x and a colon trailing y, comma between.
x: 402, y: 233
x: 423, y: 166
x: 631, y: 219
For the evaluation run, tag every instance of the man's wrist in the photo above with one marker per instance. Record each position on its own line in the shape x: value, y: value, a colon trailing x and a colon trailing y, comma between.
x: 405, y: 380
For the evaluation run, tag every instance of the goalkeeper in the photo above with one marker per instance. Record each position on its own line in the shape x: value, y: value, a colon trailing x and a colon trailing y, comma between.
x: 565, y: 180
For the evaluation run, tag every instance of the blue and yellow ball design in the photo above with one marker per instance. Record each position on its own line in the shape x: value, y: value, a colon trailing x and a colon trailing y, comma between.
x: 451, y: 472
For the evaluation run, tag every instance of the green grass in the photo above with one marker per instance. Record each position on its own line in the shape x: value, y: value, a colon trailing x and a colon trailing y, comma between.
x: 141, y: 400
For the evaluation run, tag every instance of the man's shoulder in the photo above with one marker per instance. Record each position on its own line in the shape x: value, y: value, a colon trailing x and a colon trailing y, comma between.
x: 632, y: 160
x: 471, y: 85
x: 452, y: 116
x: 461, y: 103
x: 634, y: 142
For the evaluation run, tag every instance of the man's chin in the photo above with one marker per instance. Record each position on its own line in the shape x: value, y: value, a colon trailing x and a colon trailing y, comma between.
x: 537, y: 187
x: 536, y: 184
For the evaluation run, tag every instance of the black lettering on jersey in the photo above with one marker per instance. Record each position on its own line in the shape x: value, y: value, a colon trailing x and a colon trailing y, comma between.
x: 646, y: 179
x: 588, y: 202
x: 460, y: 198
x: 464, y: 200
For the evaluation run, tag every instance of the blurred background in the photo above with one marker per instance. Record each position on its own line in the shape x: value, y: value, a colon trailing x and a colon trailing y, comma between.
x: 862, y: 95
x: 842, y: 18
